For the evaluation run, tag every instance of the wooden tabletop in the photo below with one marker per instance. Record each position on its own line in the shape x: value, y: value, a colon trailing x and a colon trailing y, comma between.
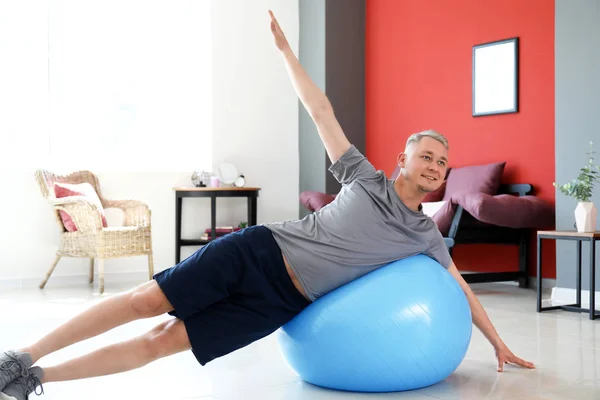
x: 210, y: 189
x: 595, y: 235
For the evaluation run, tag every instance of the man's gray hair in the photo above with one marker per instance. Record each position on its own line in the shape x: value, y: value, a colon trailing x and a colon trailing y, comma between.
x: 416, y: 138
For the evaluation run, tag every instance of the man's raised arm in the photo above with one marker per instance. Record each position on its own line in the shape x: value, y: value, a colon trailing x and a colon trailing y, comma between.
x: 314, y: 100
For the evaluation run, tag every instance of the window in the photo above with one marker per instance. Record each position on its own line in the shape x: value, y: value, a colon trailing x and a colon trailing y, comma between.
x: 23, y: 84
x: 129, y: 85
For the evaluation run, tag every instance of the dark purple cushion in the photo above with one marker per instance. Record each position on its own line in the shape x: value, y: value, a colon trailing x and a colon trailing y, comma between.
x: 477, y: 178
x: 314, y: 201
x: 443, y: 217
x: 502, y: 210
x: 508, y: 210
x: 436, y: 195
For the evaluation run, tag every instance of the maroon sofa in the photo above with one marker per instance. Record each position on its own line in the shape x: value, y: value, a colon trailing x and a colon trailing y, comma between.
x: 473, y: 207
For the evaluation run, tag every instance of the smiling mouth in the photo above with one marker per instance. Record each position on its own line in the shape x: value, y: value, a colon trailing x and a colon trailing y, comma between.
x: 428, y: 177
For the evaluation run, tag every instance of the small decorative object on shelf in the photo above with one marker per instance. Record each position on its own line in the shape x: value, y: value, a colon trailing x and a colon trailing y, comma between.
x: 197, y: 179
x: 200, y: 179
x: 215, y: 181
x: 240, y: 181
x: 581, y: 189
x: 219, y: 231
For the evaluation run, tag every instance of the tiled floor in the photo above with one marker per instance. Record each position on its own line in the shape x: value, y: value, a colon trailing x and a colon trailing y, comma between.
x: 564, y: 346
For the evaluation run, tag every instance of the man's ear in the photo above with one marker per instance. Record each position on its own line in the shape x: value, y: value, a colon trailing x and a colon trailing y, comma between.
x: 402, y: 160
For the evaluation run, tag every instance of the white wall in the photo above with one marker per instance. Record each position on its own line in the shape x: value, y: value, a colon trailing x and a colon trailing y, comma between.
x: 255, y: 118
x: 577, y: 96
x: 255, y: 126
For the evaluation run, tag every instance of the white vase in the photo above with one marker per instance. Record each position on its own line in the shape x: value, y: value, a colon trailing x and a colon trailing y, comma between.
x: 585, y: 216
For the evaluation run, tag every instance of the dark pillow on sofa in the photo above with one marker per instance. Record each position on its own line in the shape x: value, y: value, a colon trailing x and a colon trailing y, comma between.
x: 507, y: 210
x: 314, y: 201
x: 443, y: 217
x: 436, y: 195
x: 477, y: 178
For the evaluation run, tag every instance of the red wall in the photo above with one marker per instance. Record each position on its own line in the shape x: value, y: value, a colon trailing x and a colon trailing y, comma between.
x: 418, y: 76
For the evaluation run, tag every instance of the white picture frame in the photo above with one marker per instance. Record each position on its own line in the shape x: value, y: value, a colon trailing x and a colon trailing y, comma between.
x: 496, y: 77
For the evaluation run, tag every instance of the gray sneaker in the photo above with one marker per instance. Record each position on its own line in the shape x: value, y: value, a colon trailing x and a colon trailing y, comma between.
x: 12, y: 365
x: 23, y: 386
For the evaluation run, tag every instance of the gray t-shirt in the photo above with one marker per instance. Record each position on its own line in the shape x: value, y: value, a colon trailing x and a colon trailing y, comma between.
x: 365, y: 227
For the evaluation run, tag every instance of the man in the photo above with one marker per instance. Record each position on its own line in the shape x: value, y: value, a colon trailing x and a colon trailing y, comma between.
x: 244, y: 286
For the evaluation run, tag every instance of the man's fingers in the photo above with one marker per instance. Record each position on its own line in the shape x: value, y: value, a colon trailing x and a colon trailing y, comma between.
x: 500, y: 365
x: 524, y: 363
x: 521, y: 362
x: 273, y: 19
x: 274, y: 25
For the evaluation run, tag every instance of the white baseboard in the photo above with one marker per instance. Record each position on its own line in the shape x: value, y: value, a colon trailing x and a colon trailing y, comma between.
x: 72, y: 280
x: 562, y: 296
x: 546, y: 283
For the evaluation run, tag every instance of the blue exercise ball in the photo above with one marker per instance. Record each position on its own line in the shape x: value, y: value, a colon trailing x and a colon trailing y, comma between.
x: 404, y: 326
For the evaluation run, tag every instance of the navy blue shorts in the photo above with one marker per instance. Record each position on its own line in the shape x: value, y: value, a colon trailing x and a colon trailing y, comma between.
x: 231, y: 292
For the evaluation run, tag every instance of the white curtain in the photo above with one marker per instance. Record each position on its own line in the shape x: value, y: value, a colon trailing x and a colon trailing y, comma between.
x: 106, y: 85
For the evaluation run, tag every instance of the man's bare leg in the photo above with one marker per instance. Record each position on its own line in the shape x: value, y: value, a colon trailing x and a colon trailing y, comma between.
x: 170, y: 337
x: 145, y: 301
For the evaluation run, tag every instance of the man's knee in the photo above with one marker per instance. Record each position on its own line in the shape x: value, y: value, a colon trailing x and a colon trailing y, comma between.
x: 167, y: 338
x: 150, y: 301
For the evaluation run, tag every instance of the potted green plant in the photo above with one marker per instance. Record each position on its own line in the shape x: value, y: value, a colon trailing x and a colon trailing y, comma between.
x: 581, y: 189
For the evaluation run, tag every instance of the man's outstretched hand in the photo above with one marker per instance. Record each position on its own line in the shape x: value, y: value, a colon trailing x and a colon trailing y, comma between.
x: 504, y: 355
x: 280, y: 40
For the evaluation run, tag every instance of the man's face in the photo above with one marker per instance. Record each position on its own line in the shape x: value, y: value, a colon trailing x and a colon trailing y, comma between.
x: 424, y: 164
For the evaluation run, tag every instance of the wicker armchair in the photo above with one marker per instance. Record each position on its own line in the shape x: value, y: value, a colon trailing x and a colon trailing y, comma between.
x: 92, y: 240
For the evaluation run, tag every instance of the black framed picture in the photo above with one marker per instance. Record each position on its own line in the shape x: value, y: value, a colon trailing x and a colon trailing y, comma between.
x: 496, y: 77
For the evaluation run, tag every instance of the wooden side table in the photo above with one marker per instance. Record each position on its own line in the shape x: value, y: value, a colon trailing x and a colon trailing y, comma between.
x: 591, y: 238
x: 251, y: 193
